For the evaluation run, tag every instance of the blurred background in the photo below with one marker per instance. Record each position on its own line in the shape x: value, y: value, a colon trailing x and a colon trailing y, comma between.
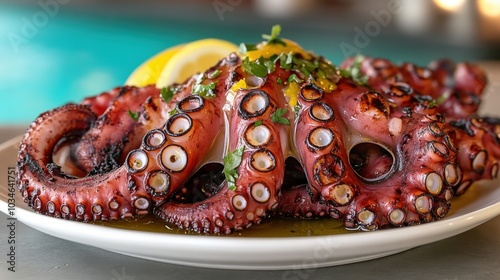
x: 58, y: 51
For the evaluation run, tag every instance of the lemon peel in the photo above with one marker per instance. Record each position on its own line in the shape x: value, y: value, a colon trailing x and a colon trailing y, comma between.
x: 194, y: 57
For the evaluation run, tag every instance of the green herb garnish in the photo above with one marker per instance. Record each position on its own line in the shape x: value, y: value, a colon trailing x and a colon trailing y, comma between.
x: 257, y: 123
x: 327, y: 70
x: 167, y: 93
x: 254, y: 68
x: 214, y: 74
x: 133, y: 115
x: 286, y: 61
x: 279, y: 81
x: 354, y: 71
x: 244, y: 48
x: 203, y: 90
x: 270, y: 65
x: 274, y: 37
x: 440, y: 100
x: 277, y: 116
x: 294, y: 78
x: 231, y: 161
x: 172, y: 112
x: 296, y: 109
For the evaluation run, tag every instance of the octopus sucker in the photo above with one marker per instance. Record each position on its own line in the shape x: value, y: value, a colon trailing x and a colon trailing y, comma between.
x: 259, y: 174
x: 371, y: 143
x: 92, y: 149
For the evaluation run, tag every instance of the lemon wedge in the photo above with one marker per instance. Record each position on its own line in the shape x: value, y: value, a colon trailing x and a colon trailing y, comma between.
x: 149, y: 71
x: 194, y: 57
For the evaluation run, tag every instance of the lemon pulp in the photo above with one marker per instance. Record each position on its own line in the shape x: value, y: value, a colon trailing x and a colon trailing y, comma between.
x: 194, y: 57
x: 176, y: 64
x: 149, y: 71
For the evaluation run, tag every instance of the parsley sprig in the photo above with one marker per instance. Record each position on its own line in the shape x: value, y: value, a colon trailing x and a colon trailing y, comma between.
x: 173, y: 112
x: 167, y: 93
x: 204, y: 90
x: 293, y: 78
x: 231, y: 161
x: 133, y: 115
x: 256, y: 68
x: 244, y: 48
x: 440, y: 100
x: 354, y: 71
x: 306, y: 68
x: 278, y: 116
x: 274, y: 37
x: 296, y: 109
x: 214, y: 74
x: 285, y: 60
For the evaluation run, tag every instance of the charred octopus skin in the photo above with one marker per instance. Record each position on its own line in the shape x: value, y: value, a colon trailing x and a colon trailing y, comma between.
x: 478, y: 142
x: 431, y: 105
x: 452, y: 89
x: 275, y: 131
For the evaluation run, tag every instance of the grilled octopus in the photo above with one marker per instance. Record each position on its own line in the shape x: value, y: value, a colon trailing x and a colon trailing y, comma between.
x: 267, y: 133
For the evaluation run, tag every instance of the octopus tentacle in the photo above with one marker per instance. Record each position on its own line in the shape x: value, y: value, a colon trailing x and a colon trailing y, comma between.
x: 48, y: 190
x: 467, y: 83
x: 168, y: 156
x: 358, y: 172
x: 260, y: 173
x: 101, y: 147
x: 454, y: 90
x: 479, y: 149
x: 403, y: 89
x: 296, y: 202
x: 100, y: 103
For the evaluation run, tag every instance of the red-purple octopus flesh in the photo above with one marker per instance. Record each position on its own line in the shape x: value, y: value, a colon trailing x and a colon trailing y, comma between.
x: 371, y: 143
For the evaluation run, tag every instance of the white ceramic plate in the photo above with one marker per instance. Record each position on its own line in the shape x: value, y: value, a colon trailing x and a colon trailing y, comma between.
x: 481, y: 204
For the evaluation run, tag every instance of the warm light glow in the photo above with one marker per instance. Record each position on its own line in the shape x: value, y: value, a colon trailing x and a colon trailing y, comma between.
x: 449, y: 5
x: 490, y: 8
